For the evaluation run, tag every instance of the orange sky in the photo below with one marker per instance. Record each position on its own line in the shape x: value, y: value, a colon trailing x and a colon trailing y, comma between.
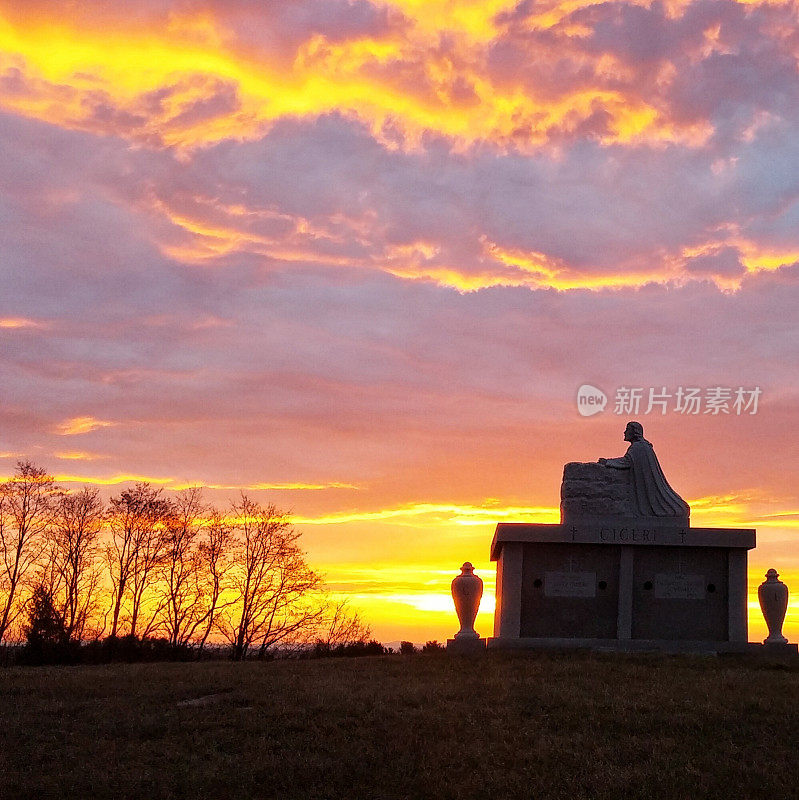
x: 358, y: 257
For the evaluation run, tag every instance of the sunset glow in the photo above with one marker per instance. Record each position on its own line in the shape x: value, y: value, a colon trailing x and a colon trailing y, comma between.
x: 355, y: 258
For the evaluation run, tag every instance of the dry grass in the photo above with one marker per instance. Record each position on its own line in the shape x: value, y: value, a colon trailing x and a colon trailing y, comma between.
x: 502, y: 726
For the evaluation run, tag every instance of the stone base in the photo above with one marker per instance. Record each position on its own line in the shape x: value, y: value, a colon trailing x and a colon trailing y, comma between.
x: 466, y: 646
x: 774, y: 649
x: 599, y: 585
x: 622, y: 645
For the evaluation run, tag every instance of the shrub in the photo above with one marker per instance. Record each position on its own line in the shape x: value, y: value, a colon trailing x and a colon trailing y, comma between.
x: 131, y: 649
x: 323, y: 649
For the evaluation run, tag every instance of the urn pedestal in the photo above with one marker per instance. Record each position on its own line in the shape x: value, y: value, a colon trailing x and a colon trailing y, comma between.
x: 773, y: 597
x: 467, y: 589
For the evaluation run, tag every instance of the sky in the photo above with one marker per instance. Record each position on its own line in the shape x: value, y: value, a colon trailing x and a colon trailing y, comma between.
x: 357, y: 258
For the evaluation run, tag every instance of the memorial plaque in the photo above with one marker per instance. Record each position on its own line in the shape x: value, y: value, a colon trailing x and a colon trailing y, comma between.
x: 569, y: 590
x: 679, y: 594
x: 570, y: 584
x: 673, y: 586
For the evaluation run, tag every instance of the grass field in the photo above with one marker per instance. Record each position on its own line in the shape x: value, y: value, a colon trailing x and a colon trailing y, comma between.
x: 425, y: 726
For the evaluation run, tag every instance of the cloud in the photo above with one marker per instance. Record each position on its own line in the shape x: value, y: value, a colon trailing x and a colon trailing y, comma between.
x: 723, y: 262
x: 529, y: 221
x: 438, y: 514
x: 612, y: 73
x: 78, y: 455
x: 16, y: 323
x: 80, y: 425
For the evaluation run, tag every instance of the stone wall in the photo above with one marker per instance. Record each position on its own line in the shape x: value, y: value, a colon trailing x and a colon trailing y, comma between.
x: 594, y: 490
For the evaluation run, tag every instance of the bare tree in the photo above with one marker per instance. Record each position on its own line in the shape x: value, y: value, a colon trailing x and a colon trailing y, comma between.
x: 183, y: 588
x: 26, y: 505
x: 273, y: 583
x: 214, y: 556
x: 75, y: 574
x: 137, y: 547
x: 342, y: 625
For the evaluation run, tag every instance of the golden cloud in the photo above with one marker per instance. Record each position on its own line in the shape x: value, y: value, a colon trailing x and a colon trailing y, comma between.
x: 211, y: 88
x: 78, y: 455
x: 13, y: 323
x: 79, y: 425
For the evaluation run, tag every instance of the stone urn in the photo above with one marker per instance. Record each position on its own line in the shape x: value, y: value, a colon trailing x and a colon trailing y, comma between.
x: 773, y: 596
x: 467, y: 589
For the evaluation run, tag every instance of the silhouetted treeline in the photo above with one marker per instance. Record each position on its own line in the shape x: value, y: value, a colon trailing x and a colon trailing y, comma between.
x: 347, y: 649
x: 149, y: 576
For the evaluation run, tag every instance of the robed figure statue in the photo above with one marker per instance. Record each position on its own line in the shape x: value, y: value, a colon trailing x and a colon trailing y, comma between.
x: 652, y: 493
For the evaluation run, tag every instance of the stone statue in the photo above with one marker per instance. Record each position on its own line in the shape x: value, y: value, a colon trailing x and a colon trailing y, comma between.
x: 653, y: 495
x: 627, y: 490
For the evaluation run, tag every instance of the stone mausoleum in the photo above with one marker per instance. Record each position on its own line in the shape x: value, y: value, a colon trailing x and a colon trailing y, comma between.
x: 624, y: 569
